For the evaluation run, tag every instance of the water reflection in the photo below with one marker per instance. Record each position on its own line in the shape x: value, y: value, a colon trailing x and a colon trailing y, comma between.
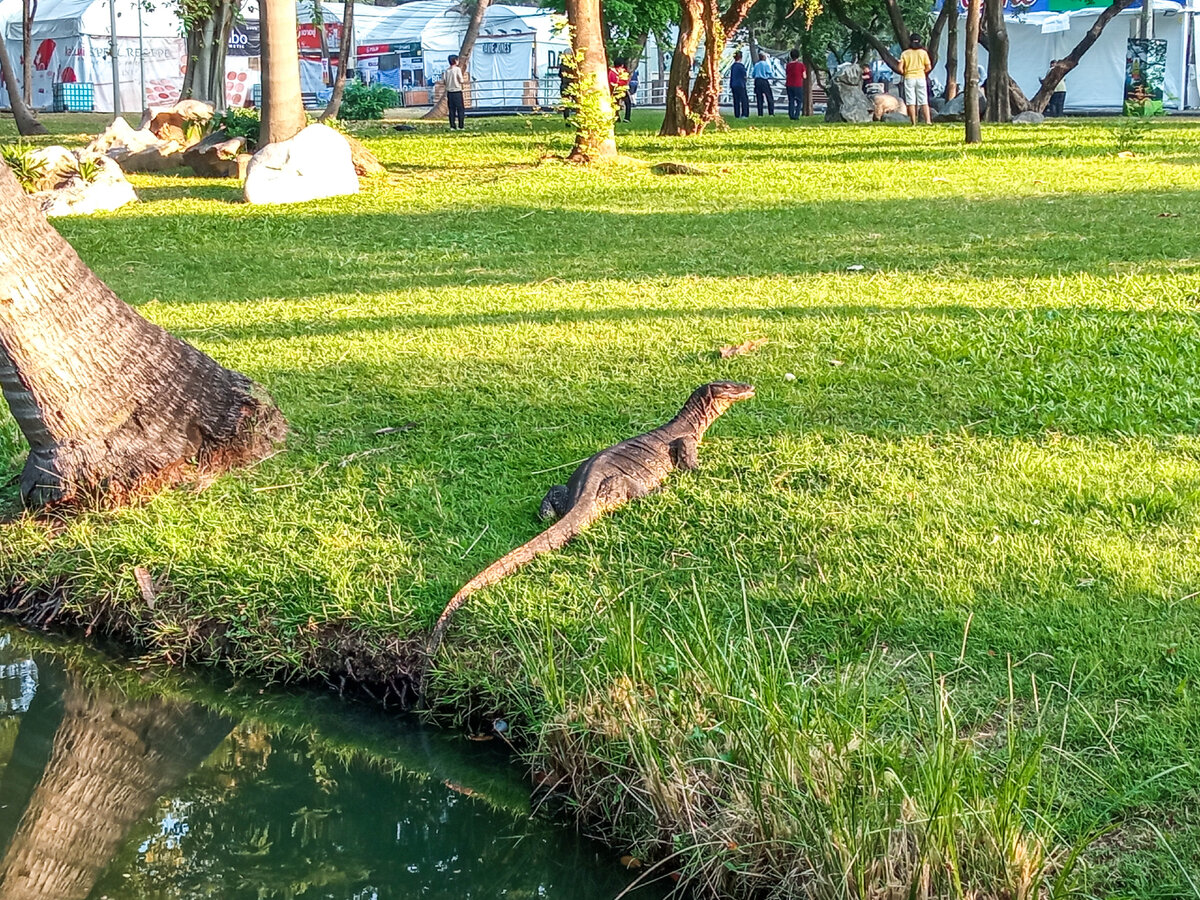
x: 113, y: 789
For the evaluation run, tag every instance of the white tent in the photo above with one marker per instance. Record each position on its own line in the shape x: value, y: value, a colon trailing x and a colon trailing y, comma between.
x: 516, y: 45
x: 1036, y: 38
x: 72, y: 43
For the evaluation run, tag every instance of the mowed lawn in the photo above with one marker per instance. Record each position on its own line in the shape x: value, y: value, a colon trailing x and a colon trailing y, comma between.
x: 980, y: 491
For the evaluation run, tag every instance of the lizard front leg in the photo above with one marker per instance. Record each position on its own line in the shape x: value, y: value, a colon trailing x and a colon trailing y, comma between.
x: 683, y: 453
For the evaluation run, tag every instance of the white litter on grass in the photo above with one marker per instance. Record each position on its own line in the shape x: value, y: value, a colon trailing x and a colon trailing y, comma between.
x: 855, y: 268
x: 789, y: 377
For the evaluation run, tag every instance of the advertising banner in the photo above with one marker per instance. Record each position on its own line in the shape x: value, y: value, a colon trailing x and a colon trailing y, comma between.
x: 1145, y: 74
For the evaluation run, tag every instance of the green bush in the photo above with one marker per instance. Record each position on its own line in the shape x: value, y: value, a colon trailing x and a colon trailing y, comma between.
x: 363, y: 102
x: 25, y: 167
x: 243, y: 123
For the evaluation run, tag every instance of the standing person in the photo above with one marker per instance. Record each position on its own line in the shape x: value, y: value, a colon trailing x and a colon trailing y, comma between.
x: 795, y: 72
x: 762, y: 84
x: 914, y: 67
x: 1058, y: 99
x: 737, y: 87
x: 452, y: 80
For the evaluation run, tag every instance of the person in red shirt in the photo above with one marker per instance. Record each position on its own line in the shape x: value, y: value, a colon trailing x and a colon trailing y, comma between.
x: 795, y: 72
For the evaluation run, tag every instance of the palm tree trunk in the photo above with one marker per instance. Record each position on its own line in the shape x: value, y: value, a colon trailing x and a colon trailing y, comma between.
x: 442, y: 107
x: 344, y: 50
x: 110, y: 760
x: 595, y: 135
x: 27, y: 124
x: 109, y: 403
x: 283, y: 108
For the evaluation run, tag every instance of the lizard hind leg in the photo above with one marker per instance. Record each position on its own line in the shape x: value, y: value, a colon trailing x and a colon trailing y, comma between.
x: 683, y: 453
x: 554, y: 504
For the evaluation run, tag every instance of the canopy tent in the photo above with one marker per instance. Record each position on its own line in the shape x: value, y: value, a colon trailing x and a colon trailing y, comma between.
x: 72, y: 43
x: 1043, y: 30
x: 409, y: 45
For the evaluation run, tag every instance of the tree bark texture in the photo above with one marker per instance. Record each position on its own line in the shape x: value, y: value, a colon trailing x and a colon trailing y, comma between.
x: 677, y: 119
x: 208, y: 25
x: 27, y: 123
x: 810, y: 81
x: 283, y: 108
x: 442, y: 107
x: 999, y: 107
x: 896, y: 18
x: 339, y: 84
x: 111, y: 759
x: 1059, y: 70
x: 704, y: 102
x: 109, y: 402
x: 952, y: 52
x: 28, y: 11
x: 939, y: 25
x: 973, y: 134
x: 595, y: 120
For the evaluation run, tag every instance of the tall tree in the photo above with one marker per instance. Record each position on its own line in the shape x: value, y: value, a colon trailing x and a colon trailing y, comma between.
x: 678, y: 116
x: 108, y: 402
x: 28, y: 11
x: 952, y: 51
x: 478, y: 11
x: 207, y: 25
x: 999, y: 108
x: 27, y: 123
x: 344, y: 48
x: 595, y: 116
x: 283, y: 107
x: 973, y: 133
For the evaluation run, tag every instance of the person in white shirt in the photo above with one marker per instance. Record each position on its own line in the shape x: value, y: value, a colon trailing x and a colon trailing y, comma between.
x: 453, y: 82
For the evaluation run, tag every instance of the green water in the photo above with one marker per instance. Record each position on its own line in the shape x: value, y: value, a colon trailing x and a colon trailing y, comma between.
x: 117, y: 783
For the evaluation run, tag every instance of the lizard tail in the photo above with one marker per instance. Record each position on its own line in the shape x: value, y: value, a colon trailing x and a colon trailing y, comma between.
x: 551, y: 539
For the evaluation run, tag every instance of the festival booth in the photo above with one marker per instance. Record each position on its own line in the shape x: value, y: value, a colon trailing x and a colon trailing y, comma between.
x: 1043, y: 30
x: 408, y: 47
x: 72, y: 41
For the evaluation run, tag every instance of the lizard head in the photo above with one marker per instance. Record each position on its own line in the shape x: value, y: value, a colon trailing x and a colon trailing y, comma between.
x: 723, y: 394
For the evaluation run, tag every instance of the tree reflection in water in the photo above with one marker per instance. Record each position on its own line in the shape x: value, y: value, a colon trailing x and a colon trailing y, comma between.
x: 107, y: 795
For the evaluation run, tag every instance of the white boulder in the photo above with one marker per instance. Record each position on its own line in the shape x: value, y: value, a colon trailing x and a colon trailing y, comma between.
x: 315, y: 163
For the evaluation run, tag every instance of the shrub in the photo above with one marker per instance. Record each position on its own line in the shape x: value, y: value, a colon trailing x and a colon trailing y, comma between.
x: 363, y: 102
x: 28, y: 170
x: 243, y: 123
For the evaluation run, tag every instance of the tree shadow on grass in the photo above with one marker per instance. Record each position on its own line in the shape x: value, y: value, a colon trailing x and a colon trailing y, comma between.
x: 313, y: 250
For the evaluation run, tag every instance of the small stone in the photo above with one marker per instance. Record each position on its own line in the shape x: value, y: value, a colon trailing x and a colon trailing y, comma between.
x: 1029, y: 117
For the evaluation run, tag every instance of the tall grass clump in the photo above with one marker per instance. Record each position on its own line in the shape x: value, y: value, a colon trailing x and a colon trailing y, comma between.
x: 758, y: 772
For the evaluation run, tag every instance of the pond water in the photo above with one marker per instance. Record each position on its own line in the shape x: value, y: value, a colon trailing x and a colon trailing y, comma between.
x: 119, y: 784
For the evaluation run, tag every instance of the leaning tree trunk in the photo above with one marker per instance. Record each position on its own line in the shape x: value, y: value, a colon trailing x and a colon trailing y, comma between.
x: 442, y: 107
x: 677, y: 119
x: 27, y: 123
x: 594, y: 119
x: 973, y: 133
x: 704, y: 103
x: 999, y: 107
x: 109, y: 403
x: 111, y: 759
x: 952, y: 52
x: 28, y: 11
x: 283, y: 108
x: 207, y: 39
x: 1059, y: 70
x: 339, y: 86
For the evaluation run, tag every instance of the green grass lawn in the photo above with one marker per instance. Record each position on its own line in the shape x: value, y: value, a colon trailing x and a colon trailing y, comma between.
x: 973, y: 514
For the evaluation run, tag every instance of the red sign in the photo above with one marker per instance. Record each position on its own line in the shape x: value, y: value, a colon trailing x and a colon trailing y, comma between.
x: 307, y: 38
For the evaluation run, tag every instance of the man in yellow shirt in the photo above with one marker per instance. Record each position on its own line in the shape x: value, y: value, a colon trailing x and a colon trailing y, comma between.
x: 914, y: 66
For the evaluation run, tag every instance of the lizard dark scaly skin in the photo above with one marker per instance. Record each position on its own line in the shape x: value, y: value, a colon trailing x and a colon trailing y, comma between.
x: 612, y: 477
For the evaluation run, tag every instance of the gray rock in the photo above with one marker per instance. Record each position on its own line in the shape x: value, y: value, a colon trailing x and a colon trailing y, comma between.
x: 216, y: 156
x: 109, y: 190
x: 953, y: 110
x: 896, y: 118
x: 315, y: 163
x: 847, y: 102
x: 937, y: 104
x: 1029, y: 117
